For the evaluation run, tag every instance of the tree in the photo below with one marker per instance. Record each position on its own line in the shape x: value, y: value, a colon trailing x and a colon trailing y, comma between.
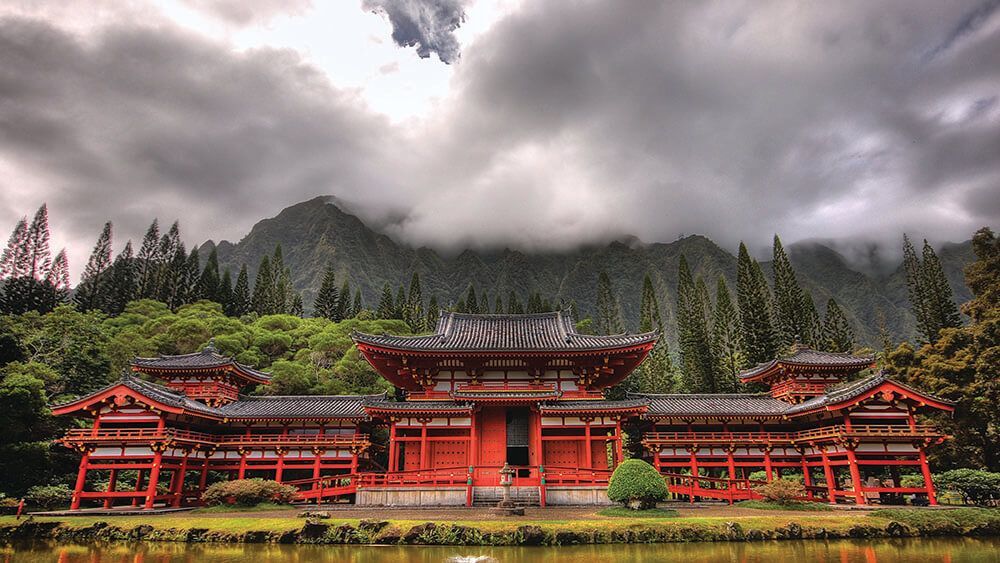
x: 414, y: 314
x: 814, y: 327
x: 471, y: 301
x: 727, y: 341
x: 344, y: 307
x: 225, y: 293
x: 13, y: 261
x: 209, y: 281
x: 637, y: 485
x: 327, y: 303
x: 788, y: 299
x: 609, y: 314
x: 931, y: 298
x: 240, y: 304
x: 960, y: 366
x: 535, y: 304
x: 386, y: 309
x: 295, y: 308
x: 514, y: 305
x: 358, y: 305
x: 399, y: 308
x: 122, y: 282
x: 754, y: 300
x: 837, y: 333
x: 433, y: 313
x: 31, y: 281
x: 149, y: 259
x: 699, y: 365
x: 497, y: 304
x: 92, y: 291
x: 281, y: 294
x: 655, y: 375
x: 262, y: 301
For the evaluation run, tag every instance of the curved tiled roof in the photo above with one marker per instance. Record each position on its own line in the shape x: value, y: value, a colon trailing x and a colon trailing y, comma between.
x: 158, y: 393
x: 748, y: 404
x: 556, y: 407
x: 848, y: 391
x: 522, y: 333
x: 409, y: 406
x: 298, y: 406
x: 802, y: 356
x: 207, y: 358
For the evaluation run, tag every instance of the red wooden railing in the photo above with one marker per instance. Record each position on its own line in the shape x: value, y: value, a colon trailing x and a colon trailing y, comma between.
x: 830, y: 432
x: 120, y: 435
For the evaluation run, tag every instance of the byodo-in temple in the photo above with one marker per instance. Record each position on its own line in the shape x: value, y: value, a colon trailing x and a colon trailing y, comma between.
x: 483, y: 391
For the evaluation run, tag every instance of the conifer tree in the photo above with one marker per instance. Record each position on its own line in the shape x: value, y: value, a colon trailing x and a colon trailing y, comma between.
x: 225, y: 293
x: 56, y: 284
x: 386, y: 309
x: 940, y: 298
x: 327, y: 301
x: 209, y: 281
x: 535, y: 304
x: 240, y: 304
x: 788, y: 299
x: 91, y: 293
x: 14, y: 258
x: 358, y: 304
x: 171, y: 266
x: 262, y: 301
x: 148, y: 262
x: 609, y: 313
x: 916, y: 291
x: 656, y: 373
x: 39, y: 258
x: 699, y: 364
x: 188, y: 292
x: 514, y: 305
x: 344, y: 308
x: 752, y: 295
x: 837, y: 333
x: 814, y: 326
x: 281, y: 295
x: 399, y: 308
x: 433, y: 313
x: 497, y: 304
x: 123, y: 284
x: 414, y: 314
x: 472, y: 300
x: 727, y: 342
x: 295, y: 307
x: 460, y: 306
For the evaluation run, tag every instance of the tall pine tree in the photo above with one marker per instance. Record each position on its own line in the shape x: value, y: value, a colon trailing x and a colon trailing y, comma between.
x: 727, y: 339
x: 414, y: 314
x: 240, y: 304
x: 433, y: 313
x: 327, y: 300
x: 698, y: 363
x: 655, y: 375
x: 837, y: 333
x: 788, y: 299
x: 386, y: 309
x: 344, y: 307
x: 209, y: 281
x: 514, y: 305
x: 123, y: 284
x: 92, y: 292
x: 148, y: 263
x: 262, y: 301
x: 609, y: 313
x: 754, y: 301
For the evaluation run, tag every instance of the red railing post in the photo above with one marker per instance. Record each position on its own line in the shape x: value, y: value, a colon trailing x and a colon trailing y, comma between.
x: 541, y: 486
x: 468, y: 487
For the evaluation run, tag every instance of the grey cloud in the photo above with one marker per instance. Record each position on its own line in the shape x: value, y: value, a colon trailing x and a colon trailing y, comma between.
x: 243, y: 13
x: 428, y: 25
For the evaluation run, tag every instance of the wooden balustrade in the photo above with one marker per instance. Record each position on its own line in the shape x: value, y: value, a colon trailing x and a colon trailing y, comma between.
x: 829, y: 432
x: 132, y: 435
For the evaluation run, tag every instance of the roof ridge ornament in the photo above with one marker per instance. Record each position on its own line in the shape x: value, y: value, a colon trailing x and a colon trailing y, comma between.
x: 210, y: 347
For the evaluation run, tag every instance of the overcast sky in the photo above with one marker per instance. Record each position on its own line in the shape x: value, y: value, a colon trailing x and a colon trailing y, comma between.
x: 534, y: 124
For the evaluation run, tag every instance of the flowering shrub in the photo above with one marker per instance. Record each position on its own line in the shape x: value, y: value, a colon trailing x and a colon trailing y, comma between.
x: 781, y: 491
x: 248, y: 492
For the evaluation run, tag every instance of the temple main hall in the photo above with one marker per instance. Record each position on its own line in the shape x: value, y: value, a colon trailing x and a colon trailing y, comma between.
x: 485, y: 391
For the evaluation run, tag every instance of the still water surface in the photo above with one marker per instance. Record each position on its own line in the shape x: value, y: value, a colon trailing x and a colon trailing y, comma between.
x: 945, y: 550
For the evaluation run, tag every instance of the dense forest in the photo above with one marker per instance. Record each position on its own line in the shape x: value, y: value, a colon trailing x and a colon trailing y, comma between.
x: 57, y: 343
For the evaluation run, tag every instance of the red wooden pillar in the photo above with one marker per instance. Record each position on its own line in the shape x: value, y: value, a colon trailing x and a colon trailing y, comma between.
x: 694, y: 471
x: 768, y: 468
x: 928, y: 482
x: 619, y: 453
x: 179, y: 486
x: 154, y: 478
x: 81, y: 479
x: 203, y: 480
x: 806, y: 477
x: 393, y: 448
x: 474, y: 439
x: 423, y: 446
x: 279, y: 470
x: 112, y: 483
x: 243, y: 463
x: 731, y: 462
x: 656, y: 457
x: 138, y: 487
x: 588, y: 449
x: 852, y: 464
x: 831, y: 486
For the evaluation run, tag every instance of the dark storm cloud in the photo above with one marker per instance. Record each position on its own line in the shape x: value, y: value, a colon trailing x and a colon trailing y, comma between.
x: 135, y: 123
x: 561, y: 127
x: 428, y: 25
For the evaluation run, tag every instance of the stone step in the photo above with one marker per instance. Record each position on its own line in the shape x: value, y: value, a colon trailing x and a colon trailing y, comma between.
x: 521, y: 496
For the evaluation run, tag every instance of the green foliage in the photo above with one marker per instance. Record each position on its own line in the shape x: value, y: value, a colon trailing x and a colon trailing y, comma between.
x: 837, y: 333
x: 699, y: 365
x: 754, y: 300
x: 931, y: 298
x: 248, y: 492
x: 49, y: 496
x: 975, y: 486
x: 789, y: 299
x: 655, y: 374
x: 637, y: 485
x: 620, y: 512
x: 781, y: 491
x: 609, y: 314
x: 727, y: 340
x: 802, y: 506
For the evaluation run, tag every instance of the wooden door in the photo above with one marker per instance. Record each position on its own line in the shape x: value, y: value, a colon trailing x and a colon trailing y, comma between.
x: 492, y: 424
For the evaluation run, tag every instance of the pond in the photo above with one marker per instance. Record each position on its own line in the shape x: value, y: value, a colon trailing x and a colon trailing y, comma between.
x: 951, y: 550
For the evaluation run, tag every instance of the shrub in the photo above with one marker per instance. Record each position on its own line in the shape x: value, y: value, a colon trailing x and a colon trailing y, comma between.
x: 781, y: 491
x: 248, y: 492
x: 975, y: 486
x: 637, y: 485
x: 911, y: 481
x: 49, y: 496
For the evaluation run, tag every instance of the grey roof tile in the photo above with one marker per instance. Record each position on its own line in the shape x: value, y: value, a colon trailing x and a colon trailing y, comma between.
x: 531, y: 332
x: 713, y: 404
x: 205, y: 359
x: 806, y: 356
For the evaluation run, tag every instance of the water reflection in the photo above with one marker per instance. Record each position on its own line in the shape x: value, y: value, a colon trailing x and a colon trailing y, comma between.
x: 950, y: 550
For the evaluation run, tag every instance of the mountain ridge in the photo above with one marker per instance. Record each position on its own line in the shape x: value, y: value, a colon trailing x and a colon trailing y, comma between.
x: 317, y: 232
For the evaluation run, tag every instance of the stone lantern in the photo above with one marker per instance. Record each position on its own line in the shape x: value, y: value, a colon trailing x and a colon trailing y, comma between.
x: 506, y: 505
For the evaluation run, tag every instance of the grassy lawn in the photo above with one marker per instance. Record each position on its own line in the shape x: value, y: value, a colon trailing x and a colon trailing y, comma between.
x: 263, y: 507
x: 622, y: 512
x: 798, y: 506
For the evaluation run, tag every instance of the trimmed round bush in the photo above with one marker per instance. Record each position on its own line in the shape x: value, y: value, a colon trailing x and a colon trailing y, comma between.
x: 248, y: 492
x: 637, y: 485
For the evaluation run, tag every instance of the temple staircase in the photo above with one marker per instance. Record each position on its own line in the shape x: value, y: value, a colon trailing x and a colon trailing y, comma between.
x: 490, y: 496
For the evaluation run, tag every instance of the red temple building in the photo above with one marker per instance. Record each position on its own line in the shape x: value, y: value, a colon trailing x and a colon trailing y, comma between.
x: 486, y: 391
